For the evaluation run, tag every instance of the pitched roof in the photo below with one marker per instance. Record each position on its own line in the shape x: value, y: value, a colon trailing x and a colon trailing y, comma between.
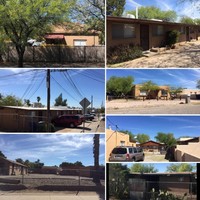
x: 14, y: 162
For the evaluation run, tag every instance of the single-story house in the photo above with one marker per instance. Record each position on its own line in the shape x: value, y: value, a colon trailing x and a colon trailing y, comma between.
x: 161, y: 93
x: 188, y: 150
x: 9, y: 167
x: 115, y: 138
x: 152, y: 146
x: 19, y: 118
x: 48, y: 170
x: 146, y: 33
x: 61, y: 34
x: 177, y: 183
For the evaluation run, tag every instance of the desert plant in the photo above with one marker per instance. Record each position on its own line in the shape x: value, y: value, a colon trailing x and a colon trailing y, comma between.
x: 123, y: 53
x: 172, y: 37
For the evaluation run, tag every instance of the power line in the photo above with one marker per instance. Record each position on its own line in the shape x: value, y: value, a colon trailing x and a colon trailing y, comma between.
x: 63, y: 88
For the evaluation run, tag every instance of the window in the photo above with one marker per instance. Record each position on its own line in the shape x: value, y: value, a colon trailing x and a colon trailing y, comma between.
x: 143, y: 93
x: 158, y: 30
x: 182, y: 30
x: 122, y: 143
x: 164, y: 92
x: 123, y: 31
x: 79, y: 42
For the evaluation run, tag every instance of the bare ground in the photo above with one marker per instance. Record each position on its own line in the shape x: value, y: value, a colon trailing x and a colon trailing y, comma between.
x: 185, y: 55
x: 51, y: 183
x: 122, y: 106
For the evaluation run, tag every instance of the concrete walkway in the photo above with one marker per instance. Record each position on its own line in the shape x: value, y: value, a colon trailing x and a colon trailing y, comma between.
x: 50, y: 196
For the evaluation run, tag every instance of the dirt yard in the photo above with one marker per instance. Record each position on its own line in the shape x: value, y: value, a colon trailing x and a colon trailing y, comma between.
x: 153, y: 157
x: 46, y: 183
x: 185, y: 55
x: 122, y: 106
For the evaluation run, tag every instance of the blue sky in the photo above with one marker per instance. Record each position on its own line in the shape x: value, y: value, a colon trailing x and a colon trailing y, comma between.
x: 52, y: 149
x: 89, y: 83
x: 151, y: 125
x: 186, y: 78
x: 181, y: 9
x: 161, y: 167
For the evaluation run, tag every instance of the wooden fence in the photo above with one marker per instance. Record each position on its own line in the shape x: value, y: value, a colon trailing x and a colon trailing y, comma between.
x: 59, y: 54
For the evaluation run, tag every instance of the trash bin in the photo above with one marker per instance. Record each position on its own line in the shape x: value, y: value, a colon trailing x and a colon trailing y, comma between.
x: 187, y: 100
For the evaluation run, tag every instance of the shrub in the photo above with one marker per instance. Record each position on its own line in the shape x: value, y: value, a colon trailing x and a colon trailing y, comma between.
x: 123, y: 53
x: 172, y: 37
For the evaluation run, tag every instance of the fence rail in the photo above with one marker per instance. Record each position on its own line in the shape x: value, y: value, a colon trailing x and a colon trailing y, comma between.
x: 58, y: 54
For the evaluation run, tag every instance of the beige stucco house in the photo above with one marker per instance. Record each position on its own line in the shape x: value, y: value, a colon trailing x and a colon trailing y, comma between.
x: 9, y: 167
x: 61, y: 34
x: 188, y: 150
x: 162, y: 92
x: 115, y: 138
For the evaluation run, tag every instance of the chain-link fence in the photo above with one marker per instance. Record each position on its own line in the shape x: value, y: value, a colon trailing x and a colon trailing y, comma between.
x: 52, y: 179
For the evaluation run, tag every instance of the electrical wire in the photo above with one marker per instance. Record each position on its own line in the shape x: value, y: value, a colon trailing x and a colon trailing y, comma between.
x: 63, y: 88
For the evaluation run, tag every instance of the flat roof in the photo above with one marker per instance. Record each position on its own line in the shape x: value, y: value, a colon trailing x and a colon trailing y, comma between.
x: 58, y: 108
x: 145, y: 21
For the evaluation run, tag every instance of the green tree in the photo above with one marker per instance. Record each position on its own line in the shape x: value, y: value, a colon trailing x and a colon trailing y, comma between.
x: 174, y: 91
x: 60, y: 102
x: 2, y: 155
x: 118, y: 86
x: 27, y: 102
x: 10, y: 100
x: 181, y: 167
x: 143, y: 168
x: 166, y: 138
x: 38, y: 164
x: 19, y: 160
x: 187, y: 20
x: 152, y: 12
x: 118, y: 181
x: 115, y: 8
x: 148, y: 87
x: 22, y: 20
x: 38, y: 99
x: 68, y: 164
x: 91, y: 13
x: 198, y: 84
x: 141, y: 137
x: 132, y: 137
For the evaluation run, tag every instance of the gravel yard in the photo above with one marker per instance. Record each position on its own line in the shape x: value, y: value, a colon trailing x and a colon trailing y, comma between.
x: 122, y: 106
x: 185, y: 55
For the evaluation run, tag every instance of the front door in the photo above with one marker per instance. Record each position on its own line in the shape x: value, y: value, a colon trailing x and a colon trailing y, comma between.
x: 187, y: 33
x: 144, y: 37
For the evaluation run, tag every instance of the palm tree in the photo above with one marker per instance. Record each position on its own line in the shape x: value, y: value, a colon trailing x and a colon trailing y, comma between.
x: 38, y: 99
x: 96, y: 157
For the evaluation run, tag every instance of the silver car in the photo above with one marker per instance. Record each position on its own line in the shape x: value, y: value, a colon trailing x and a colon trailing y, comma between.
x: 127, y: 153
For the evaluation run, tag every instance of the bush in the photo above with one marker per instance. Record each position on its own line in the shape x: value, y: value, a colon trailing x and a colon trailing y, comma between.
x: 123, y: 53
x: 172, y: 37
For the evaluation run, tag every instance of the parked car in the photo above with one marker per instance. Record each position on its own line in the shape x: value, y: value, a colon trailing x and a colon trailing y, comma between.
x: 88, y: 117
x: 68, y: 120
x: 127, y: 153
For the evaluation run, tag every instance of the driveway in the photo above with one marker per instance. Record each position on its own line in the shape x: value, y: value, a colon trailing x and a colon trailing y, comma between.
x: 185, y: 55
x: 94, y: 126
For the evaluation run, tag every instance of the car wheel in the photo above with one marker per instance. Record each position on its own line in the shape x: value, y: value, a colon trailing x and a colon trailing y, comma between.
x: 71, y: 125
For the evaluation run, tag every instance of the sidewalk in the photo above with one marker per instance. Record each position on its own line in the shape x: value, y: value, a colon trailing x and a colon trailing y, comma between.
x: 50, y: 196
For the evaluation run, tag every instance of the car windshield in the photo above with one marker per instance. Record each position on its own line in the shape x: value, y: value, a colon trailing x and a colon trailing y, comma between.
x: 119, y: 151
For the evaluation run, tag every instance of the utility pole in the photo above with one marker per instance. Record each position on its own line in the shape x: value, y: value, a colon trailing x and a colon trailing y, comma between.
x: 91, y: 103
x: 48, y: 100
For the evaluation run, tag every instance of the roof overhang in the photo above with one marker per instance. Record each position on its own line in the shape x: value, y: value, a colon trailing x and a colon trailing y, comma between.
x: 54, y: 37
